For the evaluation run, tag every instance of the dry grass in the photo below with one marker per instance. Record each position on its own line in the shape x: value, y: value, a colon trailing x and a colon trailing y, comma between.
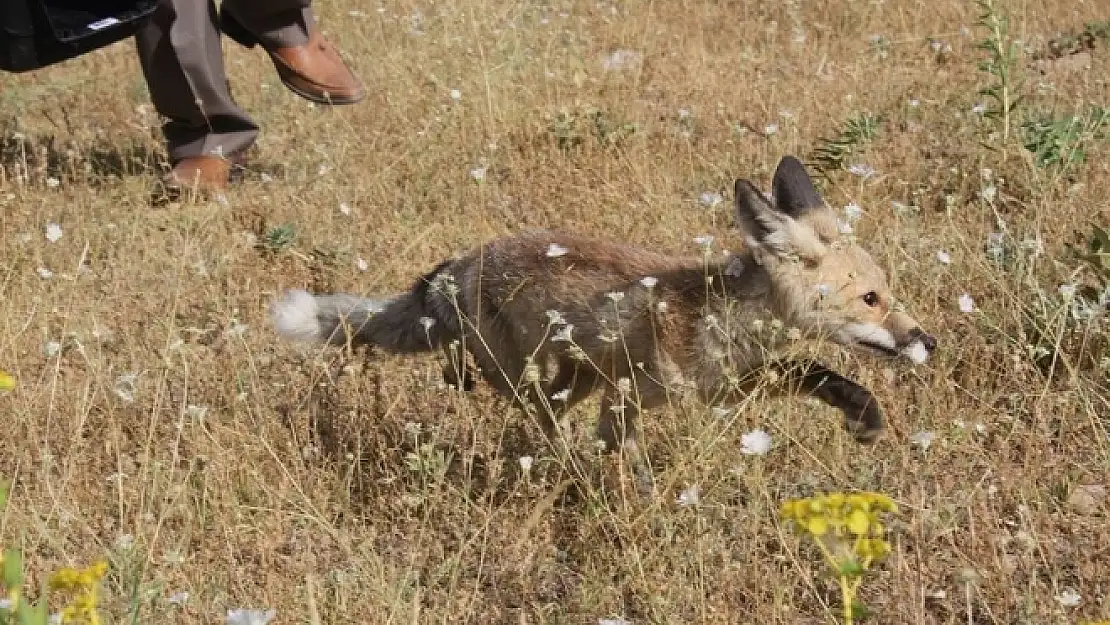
x: 250, y: 473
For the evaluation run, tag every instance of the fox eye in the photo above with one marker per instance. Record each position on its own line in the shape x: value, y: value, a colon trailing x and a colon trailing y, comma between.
x: 871, y: 298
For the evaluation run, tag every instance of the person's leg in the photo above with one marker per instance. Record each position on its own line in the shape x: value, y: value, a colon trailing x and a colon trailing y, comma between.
x: 179, y: 51
x: 306, y: 61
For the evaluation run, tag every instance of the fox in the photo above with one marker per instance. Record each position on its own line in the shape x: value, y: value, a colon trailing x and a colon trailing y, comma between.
x: 550, y: 318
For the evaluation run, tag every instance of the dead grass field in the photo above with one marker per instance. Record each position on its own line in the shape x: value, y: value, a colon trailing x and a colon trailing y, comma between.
x: 158, y: 421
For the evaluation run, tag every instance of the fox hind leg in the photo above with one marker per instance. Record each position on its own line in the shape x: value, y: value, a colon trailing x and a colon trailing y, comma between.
x: 617, y: 424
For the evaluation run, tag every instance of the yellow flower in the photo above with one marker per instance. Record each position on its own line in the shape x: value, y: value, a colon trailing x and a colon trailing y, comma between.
x: 7, y: 381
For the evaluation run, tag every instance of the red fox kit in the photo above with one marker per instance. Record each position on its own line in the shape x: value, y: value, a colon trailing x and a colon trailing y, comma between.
x: 550, y: 318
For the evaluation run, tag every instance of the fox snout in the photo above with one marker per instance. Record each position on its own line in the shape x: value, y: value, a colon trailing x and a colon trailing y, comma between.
x: 917, y: 345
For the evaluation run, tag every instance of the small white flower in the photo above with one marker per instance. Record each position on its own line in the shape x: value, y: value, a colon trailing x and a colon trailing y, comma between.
x: 979, y: 109
x: 53, y: 232
x: 615, y: 296
x: 562, y: 395
x: 943, y: 257
x: 862, y: 170
x: 555, y: 250
x: 613, y: 621
x: 323, y: 170
x: 704, y: 240
x: 124, y: 542
x: 690, y: 496
x: 526, y: 463
x: 53, y: 182
x: 45, y: 273
x: 755, y: 443
x: 5, y: 604
x: 1067, y: 291
x: 240, y: 616
x: 649, y: 281
x: 989, y: 193
x: 823, y: 290
x: 345, y: 208
x: 456, y: 95
x: 51, y: 348
x: 709, y: 199
x: 178, y: 598
x: 266, y: 177
x: 853, y: 211
x: 362, y: 264
x: 478, y: 174
x: 555, y: 318
x: 915, y: 103
x: 1069, y: 598
x: 923, y: 439
x: 125, y: 386
x: 427, y: 322
x: 195, y: 412
x: 966, y: 303
x: 794, y: 334
x: 684, y: 113
x: 844, y: 227
x: 770, y: 129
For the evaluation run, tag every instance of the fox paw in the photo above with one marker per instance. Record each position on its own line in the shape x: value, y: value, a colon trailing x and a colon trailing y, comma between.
x: 862, y: 416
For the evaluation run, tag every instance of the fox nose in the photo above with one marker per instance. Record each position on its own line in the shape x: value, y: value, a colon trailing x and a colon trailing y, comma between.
x: 928, y: 340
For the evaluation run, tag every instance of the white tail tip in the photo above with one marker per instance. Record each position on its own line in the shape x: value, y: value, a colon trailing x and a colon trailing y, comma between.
x: 295, y: 316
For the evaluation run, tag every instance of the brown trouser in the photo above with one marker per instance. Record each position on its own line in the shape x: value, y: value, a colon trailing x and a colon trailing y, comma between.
x: 179, y: 50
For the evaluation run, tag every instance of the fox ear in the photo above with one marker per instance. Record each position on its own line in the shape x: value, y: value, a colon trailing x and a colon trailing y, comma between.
x: 757, y: 218
x: 770, y: 232
x: 792, y: 188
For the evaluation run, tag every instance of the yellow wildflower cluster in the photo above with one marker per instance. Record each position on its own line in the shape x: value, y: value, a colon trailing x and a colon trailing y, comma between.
x: 85, y: 586
x: 849, y: 531
x: 849, y: 522
x: 7, y: 381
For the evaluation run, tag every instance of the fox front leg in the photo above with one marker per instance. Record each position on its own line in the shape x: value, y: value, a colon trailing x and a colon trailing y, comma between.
x: 862, y: 417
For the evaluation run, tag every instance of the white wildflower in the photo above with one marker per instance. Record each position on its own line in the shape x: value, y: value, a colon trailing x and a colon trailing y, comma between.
x: 862, y: 170
x: 456, y: 95
x: 178, y: 598
x: 770, y: 129
x: 478, y: 174
x: 966, y: 303
x: 526, y: 463
x: 823, y: 290
x: 979, y: 109
x: 53, y: 232
x: 914, y: 103
x: 562, y: 395
x: 53, y: 182
x: 853, y: 211
x: 615, y: 296
x: 613, y: 621
x: 704, y: 240
x: 1067, y: 291
x: 943, y: 257
x: 649, y: 281
x: 45, y: 273
x: 362, y: 264
x: 923, y: 439
x: 345, y: 208
x: 555, y: 318
x: 125, y: 386
x: 690, y: 496
x: 755, y: 443
x: 555, y: 250
x: 1069, y: 598
x: 843, y: 226
x: 427, y: 323
x: 124, y: 542
x: 240, y: 616
x: 51, y: 348
x: 709, y: 199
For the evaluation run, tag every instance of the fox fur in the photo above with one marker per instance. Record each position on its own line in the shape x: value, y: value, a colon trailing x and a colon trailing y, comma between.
x: 595, y: 315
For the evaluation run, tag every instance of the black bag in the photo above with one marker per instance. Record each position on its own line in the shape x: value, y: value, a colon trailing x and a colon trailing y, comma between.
x: 37, y: 33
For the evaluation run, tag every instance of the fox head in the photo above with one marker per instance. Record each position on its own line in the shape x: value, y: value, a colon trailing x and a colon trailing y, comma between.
x: 821, y: 281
